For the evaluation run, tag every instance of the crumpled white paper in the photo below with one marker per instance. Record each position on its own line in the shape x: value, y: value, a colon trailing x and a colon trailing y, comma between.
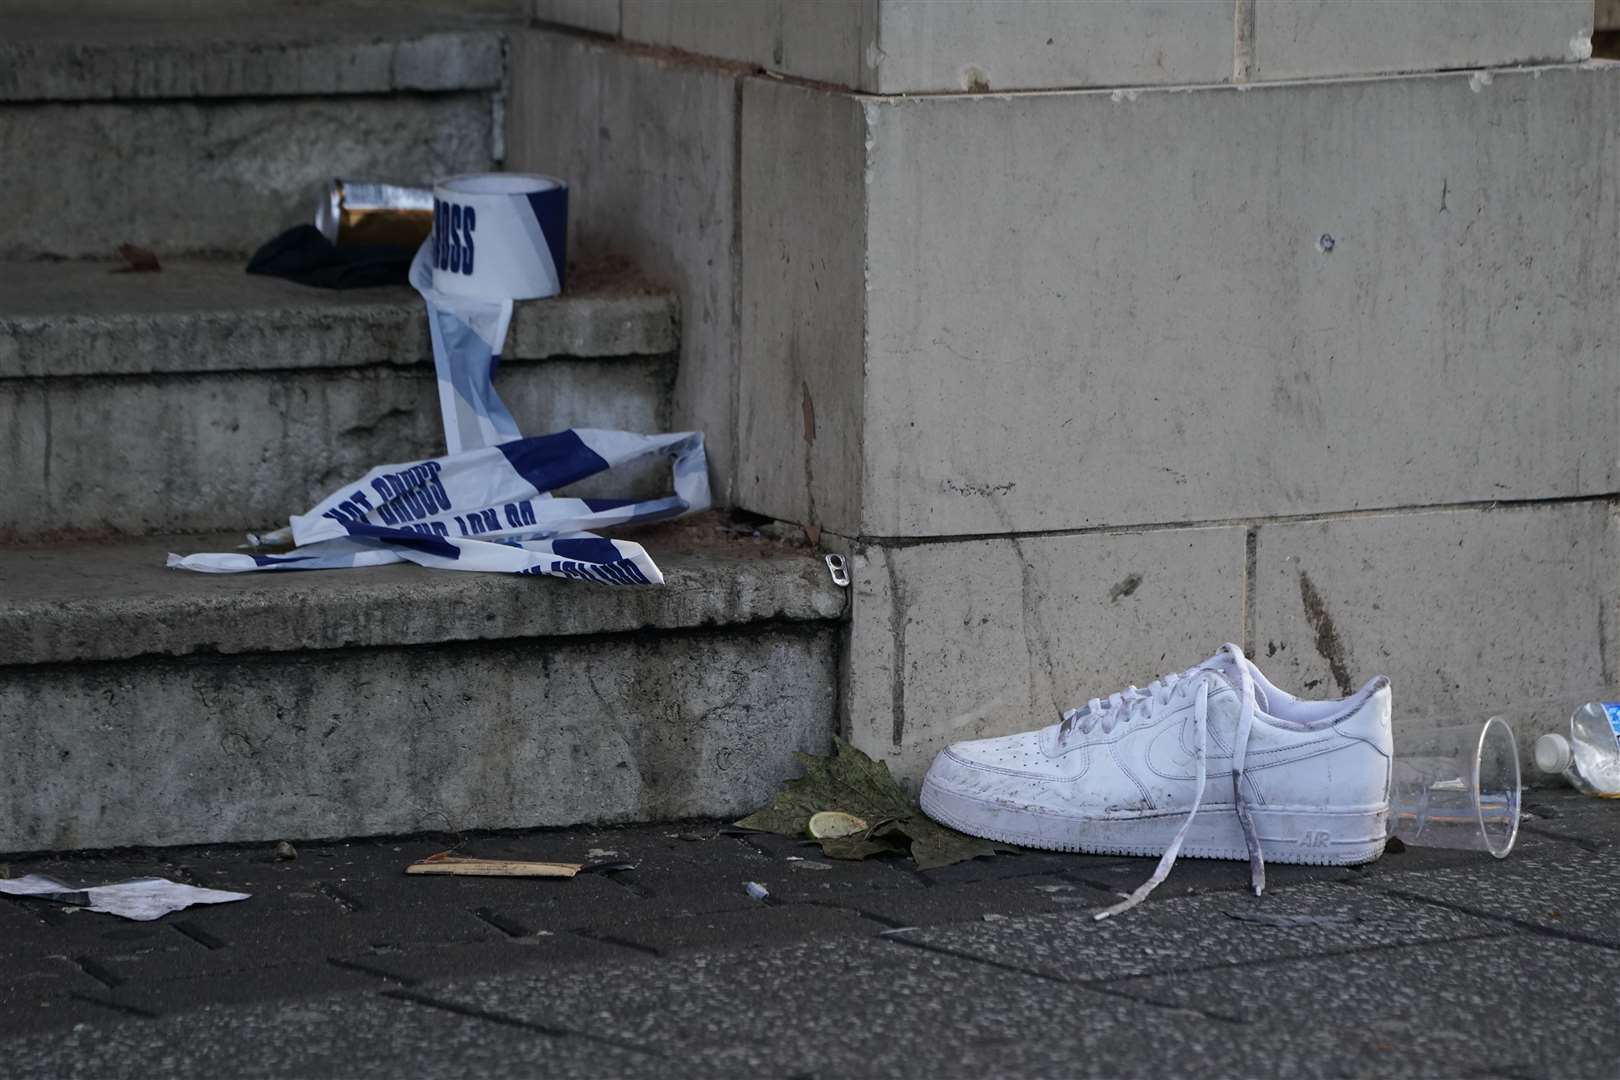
x: 142, y: 900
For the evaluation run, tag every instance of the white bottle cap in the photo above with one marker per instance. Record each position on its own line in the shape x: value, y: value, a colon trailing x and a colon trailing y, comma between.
x: 1553, y: 754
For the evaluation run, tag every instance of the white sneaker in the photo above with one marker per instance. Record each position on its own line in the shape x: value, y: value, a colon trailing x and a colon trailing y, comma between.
x: 1293, y: 781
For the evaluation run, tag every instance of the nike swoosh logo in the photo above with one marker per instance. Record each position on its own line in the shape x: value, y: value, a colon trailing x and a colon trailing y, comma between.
x: 1170, y: 753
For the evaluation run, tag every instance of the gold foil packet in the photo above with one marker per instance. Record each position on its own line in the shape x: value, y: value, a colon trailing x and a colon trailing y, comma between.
x: 359, y: 212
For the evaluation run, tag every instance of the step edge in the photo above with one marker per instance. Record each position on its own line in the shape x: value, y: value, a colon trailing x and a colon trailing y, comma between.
x: 387, y: 332
x: 782, y: 587
x: 167, y: 69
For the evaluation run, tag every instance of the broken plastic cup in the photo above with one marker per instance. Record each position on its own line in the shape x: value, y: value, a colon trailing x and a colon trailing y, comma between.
x: 1456, y: 787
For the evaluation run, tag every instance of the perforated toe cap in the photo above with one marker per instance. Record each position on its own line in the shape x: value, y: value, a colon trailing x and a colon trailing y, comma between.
x: 978, y: 766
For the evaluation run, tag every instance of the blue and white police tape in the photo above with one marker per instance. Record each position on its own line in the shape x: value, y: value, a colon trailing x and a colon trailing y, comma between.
x: 488, y: 509
x: 487, y: 504
x: 496, y: 238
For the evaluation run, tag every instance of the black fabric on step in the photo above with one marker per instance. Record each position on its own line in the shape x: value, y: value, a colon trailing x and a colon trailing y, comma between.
x: 302, y: 254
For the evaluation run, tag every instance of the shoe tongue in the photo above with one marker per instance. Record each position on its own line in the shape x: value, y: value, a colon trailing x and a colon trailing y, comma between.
x: 1225, y: 665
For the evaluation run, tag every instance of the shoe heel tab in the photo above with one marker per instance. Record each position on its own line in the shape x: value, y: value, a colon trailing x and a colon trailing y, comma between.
x: 1370, y: 720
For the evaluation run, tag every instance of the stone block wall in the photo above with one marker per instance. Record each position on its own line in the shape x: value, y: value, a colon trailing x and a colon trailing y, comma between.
x: 926, y: 47
x: 1279, y: 329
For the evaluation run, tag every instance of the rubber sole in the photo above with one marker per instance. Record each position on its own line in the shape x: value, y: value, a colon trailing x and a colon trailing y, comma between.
x: 1310, y: 837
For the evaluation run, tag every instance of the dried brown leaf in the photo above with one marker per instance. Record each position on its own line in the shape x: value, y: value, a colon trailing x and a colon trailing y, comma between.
x: 853, y: 783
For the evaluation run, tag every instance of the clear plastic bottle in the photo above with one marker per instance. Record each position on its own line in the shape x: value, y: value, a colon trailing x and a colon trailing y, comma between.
x: 1589, y: 756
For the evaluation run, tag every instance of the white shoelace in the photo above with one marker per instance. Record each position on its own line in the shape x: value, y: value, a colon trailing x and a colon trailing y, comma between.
x: 1122, y: 706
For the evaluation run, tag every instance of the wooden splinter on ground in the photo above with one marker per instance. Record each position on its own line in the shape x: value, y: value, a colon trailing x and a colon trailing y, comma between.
x: 446, y: 863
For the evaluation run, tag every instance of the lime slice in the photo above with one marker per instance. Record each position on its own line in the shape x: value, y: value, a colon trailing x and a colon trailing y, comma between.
x: 833, y: 824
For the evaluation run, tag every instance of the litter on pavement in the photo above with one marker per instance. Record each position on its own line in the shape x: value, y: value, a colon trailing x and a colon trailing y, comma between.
x: 1586, y: 752
x: 303, y: 255
x: 487, y: 504
x: 835, y: 825
x: 1456, y: 786
x: 142, y: 900
x: 849, y: 788
x: 361, y: 213
x: 461, y: 866
x: 619, y: 867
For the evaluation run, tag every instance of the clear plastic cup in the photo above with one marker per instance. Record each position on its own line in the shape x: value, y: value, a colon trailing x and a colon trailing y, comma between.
x: 1456, y: 787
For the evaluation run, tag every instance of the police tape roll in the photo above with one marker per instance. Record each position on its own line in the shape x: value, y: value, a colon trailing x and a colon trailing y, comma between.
x: 500, y: 236
x: 497, y: 237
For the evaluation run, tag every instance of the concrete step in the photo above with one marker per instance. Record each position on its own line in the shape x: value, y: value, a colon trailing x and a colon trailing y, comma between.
x: 140, y: 705
x: 230, y: 401
x: 204, y: 135
x: 61, y: 58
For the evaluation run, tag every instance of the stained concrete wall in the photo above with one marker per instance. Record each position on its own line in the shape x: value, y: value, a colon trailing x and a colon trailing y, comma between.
x: 1470, y: 612
x: 983, y: 45
x: 1294, y: 315
x: 824, y: 41
x: 925, y: 46
x: 653, y: 143
x: 1074, y: 376
x: 967, y: 639
x: 1284, y: 300
x: 804, y: 365
x: 1306, y: 39
x: 648, y: 145
x: 596, y: 16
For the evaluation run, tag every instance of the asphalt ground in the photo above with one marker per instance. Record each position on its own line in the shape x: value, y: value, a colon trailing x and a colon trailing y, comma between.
x: 657, y: 962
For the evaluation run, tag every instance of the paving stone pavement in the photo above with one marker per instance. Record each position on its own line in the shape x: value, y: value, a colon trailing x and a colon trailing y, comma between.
x: 656, y: 963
